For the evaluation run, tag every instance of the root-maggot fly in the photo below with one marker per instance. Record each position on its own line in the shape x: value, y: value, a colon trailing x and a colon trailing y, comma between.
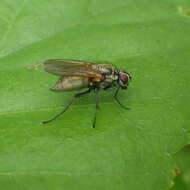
x: 75, y: 75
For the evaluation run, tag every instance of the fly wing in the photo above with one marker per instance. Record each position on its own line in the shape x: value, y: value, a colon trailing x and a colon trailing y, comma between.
x: 66, y: 67
x: 63, y: 67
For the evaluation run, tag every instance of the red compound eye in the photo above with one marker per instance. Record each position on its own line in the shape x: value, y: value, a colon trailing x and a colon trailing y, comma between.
x: 124, y: 78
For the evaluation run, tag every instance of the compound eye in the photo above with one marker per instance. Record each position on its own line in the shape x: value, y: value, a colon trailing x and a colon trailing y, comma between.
x: 124, y: 78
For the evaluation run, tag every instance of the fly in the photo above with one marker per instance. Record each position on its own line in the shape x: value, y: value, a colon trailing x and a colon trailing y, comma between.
x: 75, y: 75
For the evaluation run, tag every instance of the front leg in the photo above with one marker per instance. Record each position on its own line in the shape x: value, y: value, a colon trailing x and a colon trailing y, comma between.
x: 117, y: 100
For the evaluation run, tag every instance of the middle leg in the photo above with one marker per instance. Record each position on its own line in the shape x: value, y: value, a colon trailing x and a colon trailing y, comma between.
x: 97, y: 107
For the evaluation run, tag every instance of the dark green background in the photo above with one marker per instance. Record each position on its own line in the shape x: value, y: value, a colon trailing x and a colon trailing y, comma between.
x: 182, y: 181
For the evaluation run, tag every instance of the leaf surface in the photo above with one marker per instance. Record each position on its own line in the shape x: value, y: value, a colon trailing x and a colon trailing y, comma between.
x: 128, y: 149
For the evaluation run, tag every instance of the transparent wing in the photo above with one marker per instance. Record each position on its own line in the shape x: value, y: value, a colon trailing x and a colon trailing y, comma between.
x: 65, y: 67
x: 71, y: 68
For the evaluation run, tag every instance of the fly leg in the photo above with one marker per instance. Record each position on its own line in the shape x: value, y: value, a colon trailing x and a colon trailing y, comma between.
x: 68, y: 105
x: 97, y: 107
x: 108, y: 87
x: 118, y: 101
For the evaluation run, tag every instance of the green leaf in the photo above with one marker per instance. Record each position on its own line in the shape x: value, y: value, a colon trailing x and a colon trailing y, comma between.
x: 128, y: 149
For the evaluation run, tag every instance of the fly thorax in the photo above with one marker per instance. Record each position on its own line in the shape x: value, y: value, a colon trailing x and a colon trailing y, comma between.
x: 113, y: 77
x: 103, y: 69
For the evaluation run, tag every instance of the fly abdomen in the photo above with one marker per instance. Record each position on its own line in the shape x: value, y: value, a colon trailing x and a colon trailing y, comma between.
x: 68, y: 83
